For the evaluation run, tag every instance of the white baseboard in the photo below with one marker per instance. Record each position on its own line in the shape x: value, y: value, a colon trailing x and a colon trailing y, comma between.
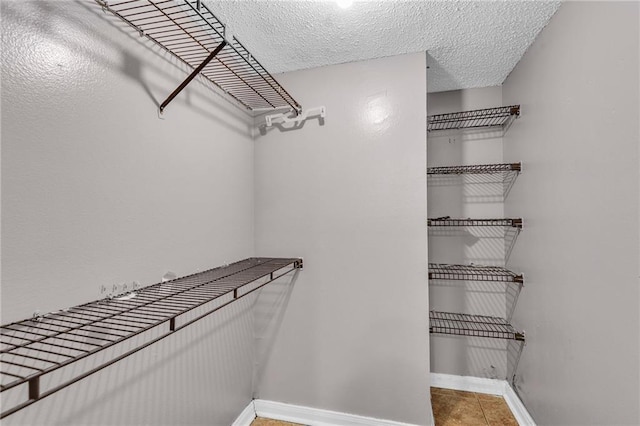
x: 490, y: 386
x: 246, y: 417
x: 468, y: 383
x: 314, y: 416
x: 517, y: 407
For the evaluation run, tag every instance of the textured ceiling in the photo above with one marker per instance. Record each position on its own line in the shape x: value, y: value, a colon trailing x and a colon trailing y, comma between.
x: 470, y: 44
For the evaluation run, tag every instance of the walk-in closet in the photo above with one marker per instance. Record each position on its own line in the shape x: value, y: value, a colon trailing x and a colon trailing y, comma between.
x: 349, y: 212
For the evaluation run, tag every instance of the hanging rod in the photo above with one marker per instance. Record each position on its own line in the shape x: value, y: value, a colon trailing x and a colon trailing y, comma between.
x: 191, y: 32
x: 33, y: 348
x: 440, y: 271
x: 476, y: 119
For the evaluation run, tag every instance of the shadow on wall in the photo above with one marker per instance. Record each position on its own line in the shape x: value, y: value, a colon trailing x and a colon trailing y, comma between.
x: 436, y: 72
x: 478, y: 188
x: 269, y: 309
x: 97, y: 44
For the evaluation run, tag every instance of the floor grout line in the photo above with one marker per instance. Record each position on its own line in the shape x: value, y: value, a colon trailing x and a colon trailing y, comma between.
x: 481, y: 409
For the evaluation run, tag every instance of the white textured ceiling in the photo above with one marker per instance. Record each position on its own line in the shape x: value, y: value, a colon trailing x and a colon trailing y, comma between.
x: 470, y: 44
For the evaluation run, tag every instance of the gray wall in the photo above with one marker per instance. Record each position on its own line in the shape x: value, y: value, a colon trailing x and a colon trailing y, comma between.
x: 578, y: 141
x: 98, y: 190
x: 463, y: 197
x: 350, y: 196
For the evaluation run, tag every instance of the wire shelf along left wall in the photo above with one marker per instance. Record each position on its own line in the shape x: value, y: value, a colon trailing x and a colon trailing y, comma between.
x: 36, y: 348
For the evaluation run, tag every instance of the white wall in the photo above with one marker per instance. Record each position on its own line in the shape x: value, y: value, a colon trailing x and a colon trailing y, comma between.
x: 466, y: 197
x: 98, y: 190
x: 350, y: 197
x: 578, y: 141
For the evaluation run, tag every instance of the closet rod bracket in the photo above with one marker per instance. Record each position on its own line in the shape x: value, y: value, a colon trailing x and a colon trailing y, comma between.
x: 193, y: 74
x: 283, y: 118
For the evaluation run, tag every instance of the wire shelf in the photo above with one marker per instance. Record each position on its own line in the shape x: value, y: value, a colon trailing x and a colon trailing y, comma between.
x: 476, y: 169
x: 449, y: 222
x: 507, y: 229
x: 191, y: 32
x: 476, y: 119
x: 440, y: 271
x: 472, y: 325
x: 490, y: 174
x: 32, y: 348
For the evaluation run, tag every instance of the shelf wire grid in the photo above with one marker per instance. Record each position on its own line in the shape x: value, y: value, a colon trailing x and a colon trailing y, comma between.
x: 449, y: 222
x: 191, y: 32
x: 477, y: 119
x: 507, y: 229
x: 486, y: 174
x: 440, y: 271
x: 32, y: 348
x: 475, y: 169
x: 472, y: 325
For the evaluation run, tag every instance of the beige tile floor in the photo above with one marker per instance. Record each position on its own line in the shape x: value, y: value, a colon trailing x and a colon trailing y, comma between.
x: 452, y: 408
x: 458, y: 408
x: 268, y: 422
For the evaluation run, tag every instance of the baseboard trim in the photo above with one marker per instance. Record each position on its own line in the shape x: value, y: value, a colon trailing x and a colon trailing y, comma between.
x: 246, y: 417
x: 518, y: 409
x: 314, y: 416
x: 490, y: 386
x: 468, y: 383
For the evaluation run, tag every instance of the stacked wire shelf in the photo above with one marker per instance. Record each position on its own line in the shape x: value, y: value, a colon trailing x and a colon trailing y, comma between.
x: 35, y: 348
x: 463, y: 324
x: 476, y: 169
x: 439, y: 271
x: 449, y: 222
x: 472, y: 325
x: 500, y: 117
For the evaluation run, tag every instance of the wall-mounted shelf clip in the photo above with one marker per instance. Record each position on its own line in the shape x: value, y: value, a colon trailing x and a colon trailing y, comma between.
x: 283, y: 117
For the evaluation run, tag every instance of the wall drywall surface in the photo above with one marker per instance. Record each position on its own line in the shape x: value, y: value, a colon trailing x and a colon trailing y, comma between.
x: 99, y: 190
x: 578, y: 193
x: 350, y: 197
x: 475, y: 197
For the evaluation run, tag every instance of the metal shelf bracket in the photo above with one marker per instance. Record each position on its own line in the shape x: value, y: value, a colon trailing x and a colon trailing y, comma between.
x: 193, y: 75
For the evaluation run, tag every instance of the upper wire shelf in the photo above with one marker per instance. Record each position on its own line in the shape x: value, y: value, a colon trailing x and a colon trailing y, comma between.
x: 447, y: 221
x: 472, y: 325
x: 500, y: 117
x: 33, y: 348
x: 191, y: 32
x: 440, y: 271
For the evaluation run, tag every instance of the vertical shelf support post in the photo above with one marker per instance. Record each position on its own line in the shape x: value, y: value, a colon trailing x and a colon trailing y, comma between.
x: 34, y: 388
x: 195, y: 72
x: 517, y: 361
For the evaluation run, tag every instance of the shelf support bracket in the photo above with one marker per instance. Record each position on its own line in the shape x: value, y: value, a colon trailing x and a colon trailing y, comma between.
x: 283, y: 118
x: 34, y: 388
x: 193, y: 75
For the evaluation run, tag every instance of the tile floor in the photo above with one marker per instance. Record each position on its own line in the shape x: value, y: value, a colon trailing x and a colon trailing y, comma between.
x: 452, y: 408
x: 268, y: 422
